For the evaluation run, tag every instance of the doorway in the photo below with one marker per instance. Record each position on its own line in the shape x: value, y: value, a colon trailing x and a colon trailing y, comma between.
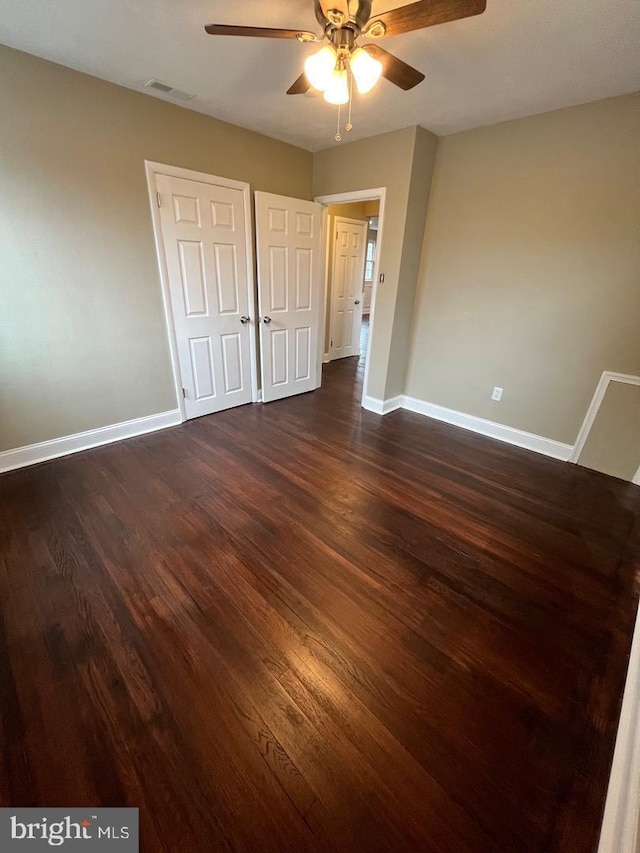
x: 345, y: 283
x: 353, y: 231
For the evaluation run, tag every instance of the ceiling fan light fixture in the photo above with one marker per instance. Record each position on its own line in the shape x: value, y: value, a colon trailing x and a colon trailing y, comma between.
x: 366, y: 70
x: 337, y: 91
x: 334, y: 68
x: 320, y: 66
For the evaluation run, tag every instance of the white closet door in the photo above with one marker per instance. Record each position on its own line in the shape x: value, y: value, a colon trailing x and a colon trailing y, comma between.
x: 347, y: 277
x: 290, y: 262
x: 205, y: 246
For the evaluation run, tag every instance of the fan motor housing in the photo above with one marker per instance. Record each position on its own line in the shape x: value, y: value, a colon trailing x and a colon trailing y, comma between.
x: 343, y: 38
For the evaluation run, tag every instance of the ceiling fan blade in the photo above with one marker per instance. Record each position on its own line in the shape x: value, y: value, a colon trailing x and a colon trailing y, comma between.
x: 427, y: 13
x: 299, y: 86
x: 258, y: 32
x: 394, y: 69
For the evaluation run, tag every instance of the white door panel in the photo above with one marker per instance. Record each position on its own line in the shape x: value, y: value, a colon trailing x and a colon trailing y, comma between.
x: 289, y: 283
x: 205, y: 245
x: 347, y: 275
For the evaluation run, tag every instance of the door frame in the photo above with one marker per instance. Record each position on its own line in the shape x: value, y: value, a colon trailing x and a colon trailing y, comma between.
x: 607, y: 377
x: 373, y: 194
x: 330, y: 277
x: 151, y: 170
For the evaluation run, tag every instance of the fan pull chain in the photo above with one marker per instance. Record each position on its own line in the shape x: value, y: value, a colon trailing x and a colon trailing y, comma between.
x: 338, y: 135
x: 348, y: 126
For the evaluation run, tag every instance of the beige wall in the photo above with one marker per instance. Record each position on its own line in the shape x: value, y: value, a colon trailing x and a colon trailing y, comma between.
x: 529, y: 278
x: 613, y: 443
x: 422, y: 169
x: 531, y: 267
x: 387, y: 161
x: 83, y: 341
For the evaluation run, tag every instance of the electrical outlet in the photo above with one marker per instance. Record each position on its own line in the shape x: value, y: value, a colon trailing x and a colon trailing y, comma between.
x: 497, y: 394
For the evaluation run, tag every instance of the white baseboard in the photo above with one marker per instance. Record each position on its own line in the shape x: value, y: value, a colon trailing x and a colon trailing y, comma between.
x: 382, y: 407
x: 619, y: 833
x: 510, y: 435
x: 31, y: 454
x: 326, y: 358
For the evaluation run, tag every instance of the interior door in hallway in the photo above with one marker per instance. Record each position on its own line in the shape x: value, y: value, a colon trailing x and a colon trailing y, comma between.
x: 205, y: 246
x: 288, y: 233
x: 347, y: 280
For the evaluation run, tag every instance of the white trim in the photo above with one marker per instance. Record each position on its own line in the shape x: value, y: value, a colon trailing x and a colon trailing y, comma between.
x: 152, y: 170
x: 351, y: 222
x: 374, y: 194
x: 31, y: 454
x: 601, y: 389
x: 619, y: 833
x: 191, y: 175
x: 636, y: 479
x: 382, y: 407
x: 510, y: 435
x: 355, y: 195
x: 326, y: 358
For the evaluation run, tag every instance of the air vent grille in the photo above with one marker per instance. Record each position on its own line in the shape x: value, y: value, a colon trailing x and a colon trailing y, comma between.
x: 171, y: 91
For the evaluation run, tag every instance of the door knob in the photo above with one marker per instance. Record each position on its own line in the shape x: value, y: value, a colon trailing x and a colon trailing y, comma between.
x: 266, y: 320
x: 244, y: 319
x: 357, y: 302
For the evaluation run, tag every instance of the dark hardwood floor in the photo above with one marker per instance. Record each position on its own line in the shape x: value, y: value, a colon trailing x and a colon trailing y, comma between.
x: 304, y: 627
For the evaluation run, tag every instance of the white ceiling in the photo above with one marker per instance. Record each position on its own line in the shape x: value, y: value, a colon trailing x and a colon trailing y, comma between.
x: 521, y: 57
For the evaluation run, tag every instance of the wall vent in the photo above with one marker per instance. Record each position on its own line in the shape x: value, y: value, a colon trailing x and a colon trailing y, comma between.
x: 172, y: 92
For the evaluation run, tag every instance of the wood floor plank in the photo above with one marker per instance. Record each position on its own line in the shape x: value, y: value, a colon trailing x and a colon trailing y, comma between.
x: 302, y: 626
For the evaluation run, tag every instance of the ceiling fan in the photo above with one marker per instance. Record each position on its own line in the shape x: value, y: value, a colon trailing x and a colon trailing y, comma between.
x: 334, y: 68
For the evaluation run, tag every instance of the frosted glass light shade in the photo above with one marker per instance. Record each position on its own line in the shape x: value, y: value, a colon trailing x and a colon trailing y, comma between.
x: 337, y: 91
x: 319, y: 66
x: 366, y: 70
